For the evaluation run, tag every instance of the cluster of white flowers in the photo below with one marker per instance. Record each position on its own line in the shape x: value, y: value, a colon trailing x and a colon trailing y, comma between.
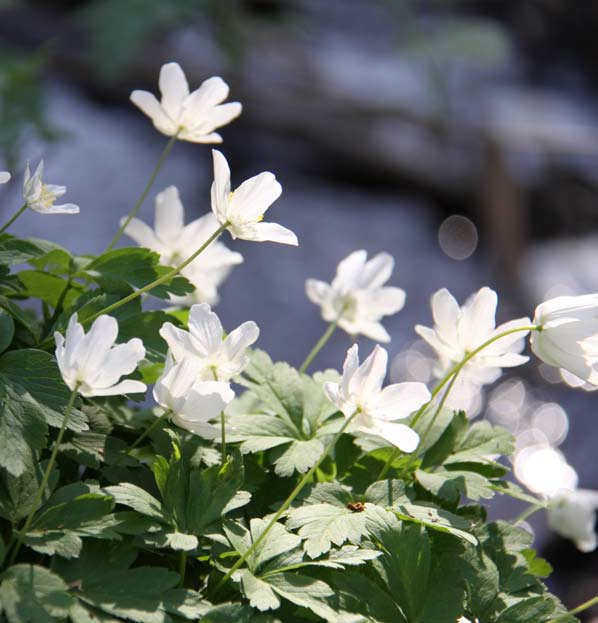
x: 194, y: 388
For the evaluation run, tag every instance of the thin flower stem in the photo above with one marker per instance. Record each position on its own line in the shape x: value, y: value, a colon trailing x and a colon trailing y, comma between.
x: 285, y: 505
x: 146, y: 190
x: 150, y: 286
x: 13, y: 218
x: 528, y: 512
x: 319, y: 345
x: 46, y: 477
x: 451, y: 376
x: 182, y: 568
x: 145, y: 433
x: 586, y: 605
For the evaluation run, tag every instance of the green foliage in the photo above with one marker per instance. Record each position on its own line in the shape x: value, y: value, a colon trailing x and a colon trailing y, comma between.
x: 149, y: 534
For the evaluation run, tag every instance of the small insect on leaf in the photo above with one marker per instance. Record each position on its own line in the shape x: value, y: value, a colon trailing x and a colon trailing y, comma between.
x: 356, y: 507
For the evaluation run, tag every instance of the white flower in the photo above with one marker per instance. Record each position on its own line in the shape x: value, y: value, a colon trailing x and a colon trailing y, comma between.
x: 244, y: 208
x: 219, y: 358
x: 93, y: 364
x: 193, y: 403
x: 41, y: 197
x: 361, y: 390
x: 175, y: 242
x: 460, y: 330
x: 356, y: 296
x: 194, y: 116
x: 4, y: 177
x: 568, y: 335
x: 572, y: 514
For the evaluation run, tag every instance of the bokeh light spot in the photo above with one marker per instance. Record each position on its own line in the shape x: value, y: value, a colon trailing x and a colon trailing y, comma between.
x: 458, y: 237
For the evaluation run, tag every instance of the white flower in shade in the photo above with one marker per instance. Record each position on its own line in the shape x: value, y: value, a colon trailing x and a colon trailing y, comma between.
x: 191, y: 116
x: 572, y: 514
x: 361, y: 390
x: 175, y: 242
x: 41, y: 197
x: 244, y: 208
x: 357, y: 297
x: 92, y: 363
x: 4, y: 177
x: 193, y: 403
x: 460, y: 330
x: 220, y: 358
x: 567, y: 335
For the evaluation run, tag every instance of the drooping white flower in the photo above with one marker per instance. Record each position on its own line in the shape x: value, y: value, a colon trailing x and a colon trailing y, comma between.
x: 4, y: 177
x: 41, y: 197
x: 361, y: 390
x: 175, y: 242
x: 193, y: 402
x: 194, y: 116
x: 460, y: 330
x: 92, y: 363
x: 357, y: 296
x: 244, y: 208
x: 567, y: 335
x: 219, y: 358
x: 572, y: 514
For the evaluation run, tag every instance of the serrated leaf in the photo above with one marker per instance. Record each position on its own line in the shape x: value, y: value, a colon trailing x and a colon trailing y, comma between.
x: 437, y: 519
x: 324, y: 525
x: 48, y: 288
x: 33, y: 594
x: 532, y: 609
x: 136, y: 498
x: 387, y: 493
x: 300, y: 456
x: 451, y: 485
x: 481, y: 441
x: 17, y: 250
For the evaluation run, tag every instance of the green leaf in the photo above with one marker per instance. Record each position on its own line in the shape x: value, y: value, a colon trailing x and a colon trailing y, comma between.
x: 532, y: 609
x: 482, y: 439
x: 146, y: 326
x: 32, y: 594
x: 136, y: 498
x: 18, y: 251
x: 451, y: 485
x: 7, y: 330
x: 324, y: 525
x: 24, y: 318
x: 106, y: 582
x: 138, y: 267
x: 536, y: 566
x: 437, y: 519
x: 48, y: 287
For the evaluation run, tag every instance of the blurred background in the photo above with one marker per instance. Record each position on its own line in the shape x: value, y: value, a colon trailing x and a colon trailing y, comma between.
x: 461, y: 136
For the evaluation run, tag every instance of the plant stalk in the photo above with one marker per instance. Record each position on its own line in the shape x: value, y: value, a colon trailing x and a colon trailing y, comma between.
x: 13, y: 218
x: 165, y: 152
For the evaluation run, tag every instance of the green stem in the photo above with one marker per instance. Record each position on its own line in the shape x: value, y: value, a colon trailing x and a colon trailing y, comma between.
x: 182, y: 568
x: 46, y: 477
x: 146, y: 190
x: 13, y: 218
x: 586, y: 605
x: 313, y: 353
x: 145, y: 433
x: 150, y: 286
x: 285, y: 505
x: 528, y: 512
x: 451, y: 376
x: 223, y: 436
x: 439, y: 408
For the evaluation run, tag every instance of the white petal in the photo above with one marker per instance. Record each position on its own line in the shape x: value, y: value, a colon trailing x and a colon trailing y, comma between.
x: 333, y: 393
x: 237, y: 342
x: 399, y: 435
x: 121, y: 360
x: 377, y: 271
x: 368, y: 379
x: 200, y: 103
x: 149, y: 105
x: 255, y: 195
x: 4, y: 177
x: 445, y: 311
x: 372, y: 330
x: 220, y: 190
x: 318, y: 292
x: 124, y: 387
x: 350, y: 367
x: 219, y: 116
x: 477, y: 320
x: 205, y: 327
x: 207, y: 399
x: 181, y: 343
x: 94, y: 347
x: 174, y: 89
x: 269, y: 232
x: 142, y: 234
x: 348, y: 271
x: 66, y: 208
x: 169, y: 216
x: 380, y: 302
x: 400, y: 400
